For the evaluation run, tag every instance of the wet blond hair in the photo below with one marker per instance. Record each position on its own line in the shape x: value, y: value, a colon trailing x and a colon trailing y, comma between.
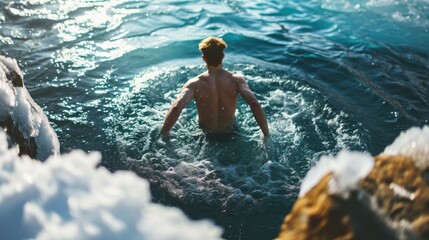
x: 212, y: 49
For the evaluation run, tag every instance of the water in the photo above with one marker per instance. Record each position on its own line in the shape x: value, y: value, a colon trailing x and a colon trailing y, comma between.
x: 329, y: 75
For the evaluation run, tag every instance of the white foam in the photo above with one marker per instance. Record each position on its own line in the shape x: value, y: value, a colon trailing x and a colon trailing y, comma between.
x: 342, y: 5
x: 347, y: 168
x: 67, y: 197
x: 413, y: 143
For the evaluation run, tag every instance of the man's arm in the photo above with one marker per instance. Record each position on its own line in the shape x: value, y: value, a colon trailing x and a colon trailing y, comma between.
x: 249, y: 97
x: 173, y: 114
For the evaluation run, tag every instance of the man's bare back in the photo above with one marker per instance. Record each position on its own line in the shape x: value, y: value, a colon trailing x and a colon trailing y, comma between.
x: 215, y: 93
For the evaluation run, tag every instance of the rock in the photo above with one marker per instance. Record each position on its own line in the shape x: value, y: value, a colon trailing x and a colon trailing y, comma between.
x: 320, y: 215
x: 390, y: 202
x: 317, y: 215
x: 21, y: 118
x: 401, y: 191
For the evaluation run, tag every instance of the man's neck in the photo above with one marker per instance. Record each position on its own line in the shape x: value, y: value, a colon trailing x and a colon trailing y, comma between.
x: 213, y: 69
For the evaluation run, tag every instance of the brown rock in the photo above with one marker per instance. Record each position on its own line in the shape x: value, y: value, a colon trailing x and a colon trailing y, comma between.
x: 317, y: 216
x: 401, y: 190
x: 392, y: 202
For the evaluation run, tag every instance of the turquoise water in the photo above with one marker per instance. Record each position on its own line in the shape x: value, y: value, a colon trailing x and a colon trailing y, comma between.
x: 349, y: 74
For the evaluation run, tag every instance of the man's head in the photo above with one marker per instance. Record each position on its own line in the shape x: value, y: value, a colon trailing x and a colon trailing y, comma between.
x: 212, y: 49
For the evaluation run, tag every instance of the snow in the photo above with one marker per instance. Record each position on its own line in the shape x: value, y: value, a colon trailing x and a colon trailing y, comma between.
x: 26, y: 115
x: 67, y: 197
x: 7, y: 97
x: 23, y: 117
x: 347, y: 168
x: 413, y: 143
x: 10, y: 64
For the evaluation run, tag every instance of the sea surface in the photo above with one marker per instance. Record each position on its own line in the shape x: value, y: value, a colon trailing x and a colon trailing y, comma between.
x: 329, y: 74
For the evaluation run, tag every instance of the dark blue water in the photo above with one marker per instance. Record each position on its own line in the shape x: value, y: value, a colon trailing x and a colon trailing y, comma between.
x: 329, y: 75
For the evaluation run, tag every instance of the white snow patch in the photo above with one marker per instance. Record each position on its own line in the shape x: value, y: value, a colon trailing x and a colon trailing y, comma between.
x: 67, y: 197
x: 413, y: 143
x: 10, y: 64
x: 7, y: 98
x: 347, y: 168
x: 26, y: 115
x: 27, y: 121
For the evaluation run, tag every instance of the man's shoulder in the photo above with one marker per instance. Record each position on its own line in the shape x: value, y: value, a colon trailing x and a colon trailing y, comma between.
x: 238, y: 77
x: 195, y: 80
x: 234, y: 75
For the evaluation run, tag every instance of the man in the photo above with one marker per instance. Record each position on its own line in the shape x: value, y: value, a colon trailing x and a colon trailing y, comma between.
x: 215, y: 93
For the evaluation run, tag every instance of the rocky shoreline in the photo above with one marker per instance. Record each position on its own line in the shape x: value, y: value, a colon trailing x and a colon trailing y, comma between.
x: 391, y: 202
